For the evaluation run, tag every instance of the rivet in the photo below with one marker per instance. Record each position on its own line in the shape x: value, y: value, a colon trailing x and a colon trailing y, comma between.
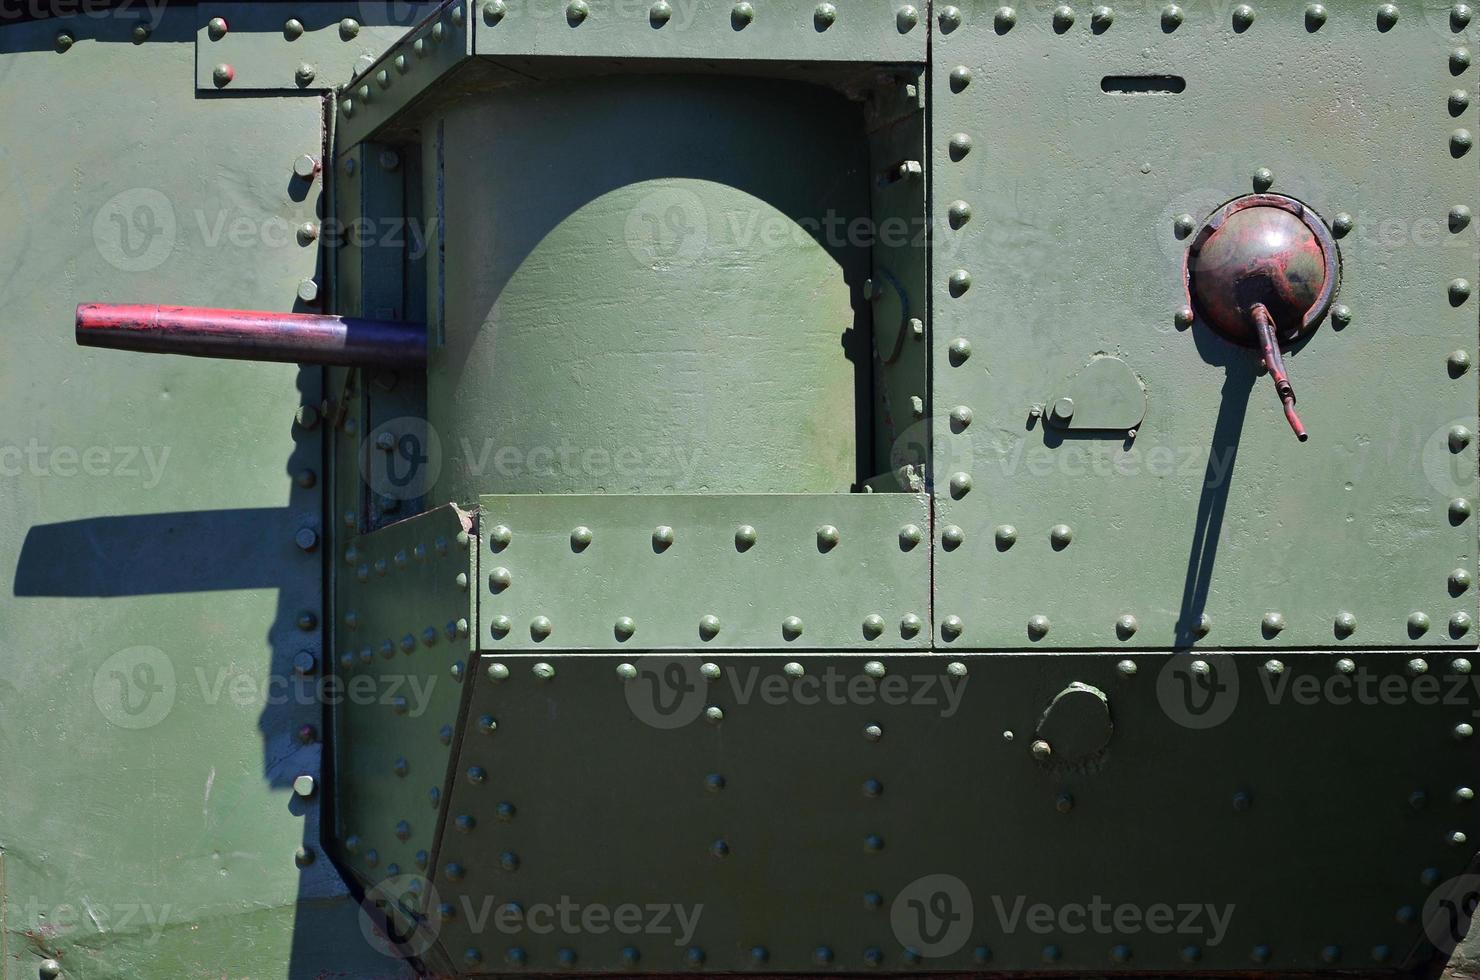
x: 1459, y: 363
x: 793, y: 669
x: 402, y: 831
x: 216, y: 28
x: 1006, y: 536
x: 714, y: 714
x: 540, y: 628
x: 1184, y: 317
x: 1459, y: 580
x: 1459, y: 17
x: 961, y: 416
x: 1126, y: 626
x: 720, y: 848
x: 958, y: 213
x: 500, y: 579
x: 565, y: 956
x: 303, y: 785
x: 1459, y: 624
x: 1416, y: 666
x: 543, y: 671
x: 873, y: 956
x: 709, y: 671
x: 714, y: 782
x: 660, y: 13
x: 627, y: 672
x: 372, y: 857
x: 1127, y: 668
x: 624, y: 627
x: 387, y: 649
x: 745, y: 537
x: 1037, y: 627
x: 308, y: 621
x: 873, y: 843
x: 1459, y: 101
x: 304, y: 662
x: 1315, y: 17
x: 906, y: 19
x: 500, y: 626
x: 493, y: 12
x: 873, y: 626
x: 1064, y: 802
x: 349, y: 28
x: 307, y: 539
x: 500, y: 537
x: 876, y: 670
x: 1463, y: 794
x: 791, y: 628
x: 822, y: 955
x: 1183, y: 225
x: 960, y: 145
x: 1459, y: 665
x: 950, y: 19
x: 1120, y: 954
x: 408, y: 643
x: 960, y: 485
x: 1462, y: 731
x: 1274, y: 668
x: 1263, y: 177
x: 1063, y: 18
x: 1261, y: 954
x: 508, y: 861
x: 909, y: 536
x: 873, y: 732
x: 952, y: 537
x: 709, y: 627
x: 1060, y: 536
x: 910, y: 626
x: 1460, y: 142
x: 1459, y: 510
x: 1100, y: 19
x: 827, y: 538
x: 1004, y: 19
x: 389, y: 159
x: 223, y: 76
x: 1171, y: 18
x: 662, y: 538
x: 630, y: 955
x: 824, y: 16
x: 951, y: 628
x: 741, y: 16
x: 1381, y: 954
x: 1191, y: 954
x: 1387, y: 17
x: 1272, y: 623
x: 1341, y: 224
x: 1459, y: 61
x: 1418, y: 624
x: 477, y: 775
x: 956, y: 669
x: 1341, y: 315
x: 1052, y: 954
x: 580, y: 538
x: 1456, y: 838
x: 1459, y: 291
x: 694, y: 956
x: 1345, y: 625
x: 576, y: 12
x: 1243, y: 17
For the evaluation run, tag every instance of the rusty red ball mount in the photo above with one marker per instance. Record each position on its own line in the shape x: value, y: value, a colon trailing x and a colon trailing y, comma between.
x: 1261, y: 272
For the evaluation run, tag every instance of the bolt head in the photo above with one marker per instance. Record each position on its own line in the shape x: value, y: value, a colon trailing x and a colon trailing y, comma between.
x: 304, y: 785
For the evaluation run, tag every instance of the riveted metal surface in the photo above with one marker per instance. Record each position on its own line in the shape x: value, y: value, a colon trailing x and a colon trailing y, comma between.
x: 566, y: 571
x: 822, y: 813
x: 409, y: 66
x: 801, y: 30
x: 305, y: 48
x: 402, y: 650
x: 1085, y: 171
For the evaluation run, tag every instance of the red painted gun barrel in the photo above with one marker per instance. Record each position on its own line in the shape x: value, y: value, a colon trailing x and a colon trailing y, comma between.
x: 297, y: 338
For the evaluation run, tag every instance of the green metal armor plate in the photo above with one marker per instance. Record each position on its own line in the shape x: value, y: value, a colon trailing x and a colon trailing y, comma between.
x: 1063, y: 157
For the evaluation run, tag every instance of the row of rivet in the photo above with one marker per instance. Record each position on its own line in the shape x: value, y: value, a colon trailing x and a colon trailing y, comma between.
x: 402, y: 559
x: 742, y: 15
x: 543, y: 671
x: 792, y: 627
x: 664, y: 536
x: 1242, y: 17
x: 455, y: 629
x: 1271, y: 625
x: 421, y: 47
x: 695, y: 956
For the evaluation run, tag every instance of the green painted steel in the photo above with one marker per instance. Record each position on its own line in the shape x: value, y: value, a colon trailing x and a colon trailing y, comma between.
x: 834, y: 795
x: 403, y: 633
x: 157, y: 606
x: 573, y: 572
x: 675, y: 318
x: 1059, y: 205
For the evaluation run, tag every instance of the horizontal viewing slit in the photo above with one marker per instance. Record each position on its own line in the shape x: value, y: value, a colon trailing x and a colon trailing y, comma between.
x: 1136, y: 84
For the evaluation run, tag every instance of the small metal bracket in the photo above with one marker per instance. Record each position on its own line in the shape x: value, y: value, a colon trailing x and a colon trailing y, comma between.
x: 268, y: 47
x: 1105, y: 396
